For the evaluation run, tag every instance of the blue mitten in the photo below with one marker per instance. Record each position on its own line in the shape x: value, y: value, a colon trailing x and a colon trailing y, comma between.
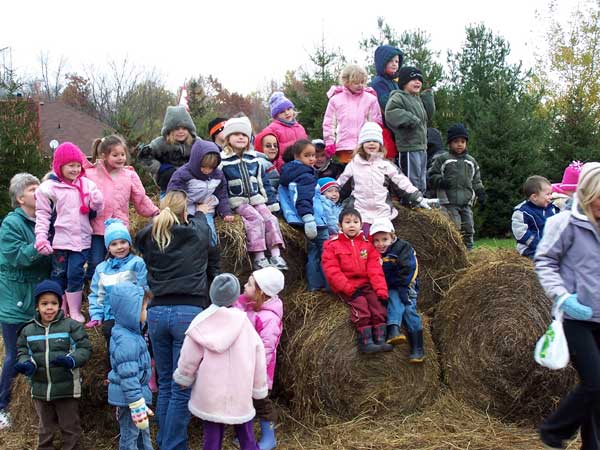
x: 575, y: 309
x: 63, y: 361
x: 27, y: 368
x: 310, y: 226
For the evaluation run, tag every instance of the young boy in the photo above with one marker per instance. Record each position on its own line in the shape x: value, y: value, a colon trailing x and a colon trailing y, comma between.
x: 325, y: 166
x: 351, y: 266
x: 51, y: 349
x: 529, y: 217
x: 131, y: 369
x: 330, y: 199
x: 455, y: 178
x: 401, y: 271
x: 406, y: 115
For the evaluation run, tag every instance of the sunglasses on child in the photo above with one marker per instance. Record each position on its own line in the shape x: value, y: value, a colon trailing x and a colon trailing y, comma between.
x: 271, y: 146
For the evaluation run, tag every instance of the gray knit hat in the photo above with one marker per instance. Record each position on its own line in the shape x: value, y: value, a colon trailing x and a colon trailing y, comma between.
x: 224, y: 290
x: 177, y: 116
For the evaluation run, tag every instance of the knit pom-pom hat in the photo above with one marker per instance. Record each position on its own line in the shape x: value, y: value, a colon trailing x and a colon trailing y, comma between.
x: 278, y: 103
x: 66, y: 153
x: 370, y: 132
x: 569, y: 180
x: 115, y: 229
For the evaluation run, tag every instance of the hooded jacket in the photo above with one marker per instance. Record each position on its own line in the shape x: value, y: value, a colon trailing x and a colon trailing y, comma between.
x: 224, y: 358
x: 304, y: 178
x: 384, y: 83
x: 400, y: 265
x: 286, y: 134
x: 407, y: 116
x: 129, y: 357
x: 201, y: 188
x: 528, y: 222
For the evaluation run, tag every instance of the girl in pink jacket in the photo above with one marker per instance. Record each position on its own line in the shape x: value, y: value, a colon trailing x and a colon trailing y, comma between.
x: 264, y: 308
x: 223, y: 359
x: 120, y: 185
x: 63, y: 204
x: 349, y: 107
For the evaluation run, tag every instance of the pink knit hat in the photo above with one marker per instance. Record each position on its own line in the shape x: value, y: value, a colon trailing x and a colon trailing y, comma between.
x: 569, y: 180
x: 66, y: 153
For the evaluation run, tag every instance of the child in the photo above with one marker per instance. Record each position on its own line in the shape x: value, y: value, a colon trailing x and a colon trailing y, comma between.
x: 51, y: 349
x: 562, y: 193
x: 349, y: 107
x: 455, y: 177
x: 330, y: 199
x: 352, y: 268
x: 567, y: 262
x: 371, y: 173
x: 529, y: 216
x: 204, y: 184
x: 120, y: 185
x: 324, y: 164
x: 284, y: 126
x: 131, y: 370
x: 264, y: 308
x: 223, y: 359
x: 215, y: 130
x: 251, y: 195
x: 270, y: 156
x: 401, y: 271
x: 64, y: 202
x: 406, y: 114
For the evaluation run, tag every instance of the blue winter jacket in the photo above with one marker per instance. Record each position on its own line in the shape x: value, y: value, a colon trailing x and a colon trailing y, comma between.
x: 332, y: 214
x: 108, y: 274
x: 400, y: 265
x: 528, y: 221
x: 129, y: 357
x: 384, y: 83
x: 305, y: 179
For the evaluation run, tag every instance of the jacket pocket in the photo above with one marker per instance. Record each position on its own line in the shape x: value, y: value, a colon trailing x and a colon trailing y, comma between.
x: 235, y: 187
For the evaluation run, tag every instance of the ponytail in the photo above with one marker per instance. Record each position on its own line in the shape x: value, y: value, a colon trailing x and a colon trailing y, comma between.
x: 172, y: 207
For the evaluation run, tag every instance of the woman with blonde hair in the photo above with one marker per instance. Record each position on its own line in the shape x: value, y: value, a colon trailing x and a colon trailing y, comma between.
x: 181, y: 265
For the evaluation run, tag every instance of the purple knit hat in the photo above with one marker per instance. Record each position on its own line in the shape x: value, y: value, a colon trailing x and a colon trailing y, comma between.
x: 279, y: 103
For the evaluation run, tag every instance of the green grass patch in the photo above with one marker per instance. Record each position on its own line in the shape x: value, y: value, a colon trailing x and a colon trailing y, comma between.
x: 495, y: 243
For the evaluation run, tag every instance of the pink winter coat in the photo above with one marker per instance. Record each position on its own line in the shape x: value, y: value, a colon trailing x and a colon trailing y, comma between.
x: 268, y: 324
x: 224, y: 358
x: 72, y: 229
x: 345, y: 115
x: 371, y: 195
x: 286, y: 135
x: 119, y: 188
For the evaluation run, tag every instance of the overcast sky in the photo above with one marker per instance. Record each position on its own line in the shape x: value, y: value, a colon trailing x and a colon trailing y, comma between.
x: 246, y: 43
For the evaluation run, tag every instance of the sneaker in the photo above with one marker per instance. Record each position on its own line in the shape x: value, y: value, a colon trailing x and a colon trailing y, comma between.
x: 5, y: 421
x: 261, y: 263
x: 279, y: 263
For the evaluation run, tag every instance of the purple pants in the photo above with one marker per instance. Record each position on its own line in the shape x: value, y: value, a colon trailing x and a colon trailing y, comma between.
x: 262, y: 227
x: 213, y: 435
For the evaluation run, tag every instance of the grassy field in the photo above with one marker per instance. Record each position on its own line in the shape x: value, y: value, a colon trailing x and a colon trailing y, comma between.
x: 495, y: 242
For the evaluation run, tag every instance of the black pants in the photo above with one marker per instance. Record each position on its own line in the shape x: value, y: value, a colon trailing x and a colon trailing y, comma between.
x: 580, y: 409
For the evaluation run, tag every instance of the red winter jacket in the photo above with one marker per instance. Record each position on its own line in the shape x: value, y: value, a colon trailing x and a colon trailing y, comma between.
x: 351, y: 263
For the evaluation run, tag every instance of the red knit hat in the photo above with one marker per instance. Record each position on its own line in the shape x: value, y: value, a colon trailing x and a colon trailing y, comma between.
x: 569, y: 180
x: 66, y: 153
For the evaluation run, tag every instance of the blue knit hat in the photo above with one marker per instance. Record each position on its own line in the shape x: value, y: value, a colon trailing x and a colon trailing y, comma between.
x: 48, y: 286
x: 278, y: 103
x: 115, y: 229
x: 327, y: 183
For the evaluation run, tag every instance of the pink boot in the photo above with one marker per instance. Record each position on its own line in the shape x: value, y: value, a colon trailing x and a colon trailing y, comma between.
x: 74, y: 301
x: 152, y: 381
x: 65, y: 306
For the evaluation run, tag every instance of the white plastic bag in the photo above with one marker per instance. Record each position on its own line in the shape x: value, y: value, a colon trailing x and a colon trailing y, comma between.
x: 551, y: 350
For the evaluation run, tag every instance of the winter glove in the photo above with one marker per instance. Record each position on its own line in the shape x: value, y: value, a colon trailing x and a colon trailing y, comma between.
x: 423, y: 204
x: 310, y: 226
x: 444, y: 184
x: 481, y: 198
x: 330, y: 150
x: 575, y: 309
x: 66, y: 361
x: 273, y: 207
x: 43, y: 247
x: 93, y: 323
x: 27, y: 368
x: 140, y: 413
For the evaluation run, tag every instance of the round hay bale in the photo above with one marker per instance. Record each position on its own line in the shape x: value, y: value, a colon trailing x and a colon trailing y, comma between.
x: 483, y: 255
x: 440, y: 251
x: 322, y: 374
x: 486, y: 329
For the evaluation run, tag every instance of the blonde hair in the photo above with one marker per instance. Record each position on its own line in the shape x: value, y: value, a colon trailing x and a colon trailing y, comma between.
x: 588, y: 188
x: 353, y: 74
x: 364, y: 155
x: 172, y: 207
x: 103, y: 146
x: 229, y: 150
x: 189, y: 140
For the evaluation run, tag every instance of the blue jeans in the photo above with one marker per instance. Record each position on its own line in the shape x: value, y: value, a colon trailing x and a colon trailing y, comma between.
x: 96, y: 256
x: 10, y: 333
x: 132, y: 438
x: 167, y: 326
x: 403, y: 305
x: 314, y: 271
x: 67, y: 268
x: 210, y: 219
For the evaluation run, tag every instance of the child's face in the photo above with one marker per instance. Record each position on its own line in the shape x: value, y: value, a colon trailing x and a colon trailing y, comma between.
x: 270, y: 147
x: 356, y: 87
x: 117, y: 157
x: 595, y: 209
x: 392, y: 65
x: 371, y: 147
x: 207, y: 170
x: 238, y: 141
x: 333, y: 194
x: 543, y: 197
x: 250, y: 288
x: 307, y: 156
x: 287, y: 115
x: 320, y: 158
x: 70, y: 171
x: 220, y: 139
x: 119, y: 248
x: 413, y: 86
x: 181, y: 134
x: 458, y: 145
x: 27, y: 200
x: 48, y: 307
x: 382, y: 241
x: 351, y: 225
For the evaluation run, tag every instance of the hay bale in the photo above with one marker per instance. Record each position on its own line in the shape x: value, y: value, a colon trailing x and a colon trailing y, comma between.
x: 483, y: 255
x: 322, y: 374
x: 486, y: 329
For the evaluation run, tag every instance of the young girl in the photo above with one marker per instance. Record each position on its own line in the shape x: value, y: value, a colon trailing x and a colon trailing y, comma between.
x: 251, y: 195
x: 223, y: 359
x: 120, y: 185
x: 260, y: 301
x: 349, y: 107
x: 284, y: 126
x: 562, y: 193
x: 64, y: 202
x: 270, y: 148
x: 370, y: 172
x: 567, y: 261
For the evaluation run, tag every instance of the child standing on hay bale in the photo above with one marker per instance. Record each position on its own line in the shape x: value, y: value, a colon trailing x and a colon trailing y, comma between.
x: 562, y: 193
x: 223, y: 359
x: 529, y: 217
x: 401, y: 271
x: 567, y: 262
x: 455, y: 177
x: 352, y: 268
x: 51, y: 349
x: 330, y: 199
x: 251, y: 195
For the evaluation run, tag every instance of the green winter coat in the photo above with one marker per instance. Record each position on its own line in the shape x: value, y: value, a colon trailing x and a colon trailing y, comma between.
x: 407, y: 116
x: 461, y: 172
x: 40, y: 344
x: 21, y: 268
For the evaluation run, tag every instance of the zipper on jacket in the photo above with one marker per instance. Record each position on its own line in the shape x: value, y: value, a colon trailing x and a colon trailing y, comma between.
x: 245, y: 176
x: 47, y: 358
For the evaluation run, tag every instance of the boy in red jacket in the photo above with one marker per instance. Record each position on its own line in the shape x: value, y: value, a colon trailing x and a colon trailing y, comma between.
x: 353, y: 270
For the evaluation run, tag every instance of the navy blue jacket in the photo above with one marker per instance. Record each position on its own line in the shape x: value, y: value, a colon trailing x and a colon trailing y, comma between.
x: 304, y: 178
x: 400, y: 265
x: 384, y: 83
x: 528, y: 221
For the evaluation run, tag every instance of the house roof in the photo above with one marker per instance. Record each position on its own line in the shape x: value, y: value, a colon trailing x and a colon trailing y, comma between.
x: 64, y: 123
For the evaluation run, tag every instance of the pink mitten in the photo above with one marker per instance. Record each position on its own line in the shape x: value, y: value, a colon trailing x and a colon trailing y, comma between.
x: 43, y: 247
x: 93, y: 323
x: 330, y: 150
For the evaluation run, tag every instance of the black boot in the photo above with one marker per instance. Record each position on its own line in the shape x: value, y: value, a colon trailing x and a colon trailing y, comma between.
x: 365, y: 341
x: 395, y: 335
x: 417, y: 354
x: 379, y: 338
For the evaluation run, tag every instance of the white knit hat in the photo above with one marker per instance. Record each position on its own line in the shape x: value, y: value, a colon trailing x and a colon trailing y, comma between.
x: 370, y: 131
x: 237, y: 125
x: 270, y: 280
